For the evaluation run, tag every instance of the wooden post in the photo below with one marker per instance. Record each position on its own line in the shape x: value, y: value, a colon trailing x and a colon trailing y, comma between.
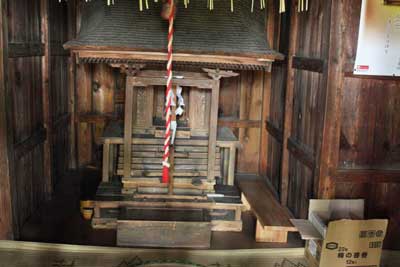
x: 8, y: 225
x: 106, y: 161
x: 329, y: 155
x: 212, y: 138
x: 271, y: 25
x: 128, y: 126
x: 73, y: 156
x: 47, y: 157
x: 288, y: 106
x: 232, y: 161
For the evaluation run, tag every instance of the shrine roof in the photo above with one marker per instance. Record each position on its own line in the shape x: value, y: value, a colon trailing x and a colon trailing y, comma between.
x: 122, y: 32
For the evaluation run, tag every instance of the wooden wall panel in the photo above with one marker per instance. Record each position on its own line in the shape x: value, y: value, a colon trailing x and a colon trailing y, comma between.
x: 33, y: 93
x: 300, y: 188
x: 274, y: 163
x: 251, y: 90
x: 370, y: 128
x: 84, y: 104
x: 229, y: 98
x: 305, y: 105
x: 368, y: 149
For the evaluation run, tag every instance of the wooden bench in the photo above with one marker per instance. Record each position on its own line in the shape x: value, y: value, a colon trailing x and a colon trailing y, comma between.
x: 273, y: 220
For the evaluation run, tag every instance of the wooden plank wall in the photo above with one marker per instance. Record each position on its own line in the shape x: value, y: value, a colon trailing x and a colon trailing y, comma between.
x: 28, y: 105
x: 340, y: 132
x: 297, y: 108
x: 369, y: 139
x: 25, y: 111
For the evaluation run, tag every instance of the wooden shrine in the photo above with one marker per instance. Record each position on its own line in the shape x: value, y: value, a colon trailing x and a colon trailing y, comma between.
x: 133, y: 151
x: 201, y: 195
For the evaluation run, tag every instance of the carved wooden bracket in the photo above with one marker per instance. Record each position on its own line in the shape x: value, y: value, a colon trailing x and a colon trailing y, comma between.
x: 129, y: 69
x: 217, y: 74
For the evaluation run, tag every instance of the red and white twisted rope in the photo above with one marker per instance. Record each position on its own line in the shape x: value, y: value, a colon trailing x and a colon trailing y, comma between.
x: 166, y: 165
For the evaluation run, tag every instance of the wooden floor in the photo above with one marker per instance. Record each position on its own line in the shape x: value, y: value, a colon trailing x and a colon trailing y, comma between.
x: 59, y: 221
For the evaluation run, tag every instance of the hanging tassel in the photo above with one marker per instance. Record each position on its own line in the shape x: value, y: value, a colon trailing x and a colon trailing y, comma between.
x: 252, y: 6
x: 282, y: 6
x: 141, y: 5
x: 210, y: 4
x: 147, y: 4
x: 302, y: 6
x: 231, y: 5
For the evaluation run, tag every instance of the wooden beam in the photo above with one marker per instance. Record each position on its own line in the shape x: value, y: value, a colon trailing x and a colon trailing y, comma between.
x: 308, y: 64
x: 24, y: 147
x: 100, y: 52
x: 289, y: 105
x: 365, y: 176
x: 234, y: 123
x: 47, y: 112
x: 8, y: 226
x: 26, y: 50
x: 276, y: 133
x: 298, y: 151
x: 96, y: 118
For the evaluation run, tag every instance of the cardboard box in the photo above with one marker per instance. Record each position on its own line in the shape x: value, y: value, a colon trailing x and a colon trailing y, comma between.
x: 337, y: 235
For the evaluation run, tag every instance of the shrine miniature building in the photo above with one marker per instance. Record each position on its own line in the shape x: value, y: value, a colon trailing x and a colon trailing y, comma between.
x: 205, y: 155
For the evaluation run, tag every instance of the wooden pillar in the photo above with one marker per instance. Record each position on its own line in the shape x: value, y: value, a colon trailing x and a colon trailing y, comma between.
x: 106, y: 161
x: 8, y: 226
x: 231, y: 168
x: 128, y: 126
x: 329, y: 155
x: 212, y: 139
x: 47, y: 157
x: 272, y: 22
x: 288, y: 105
x: 72, y: 29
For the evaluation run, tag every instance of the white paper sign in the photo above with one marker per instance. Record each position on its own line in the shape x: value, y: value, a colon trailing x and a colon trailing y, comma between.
x: 378, y: 51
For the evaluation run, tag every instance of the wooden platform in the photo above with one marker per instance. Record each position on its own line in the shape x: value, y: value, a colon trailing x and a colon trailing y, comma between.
x: 225, y: 207
x: 273, y: 220
x: 170, y: 228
